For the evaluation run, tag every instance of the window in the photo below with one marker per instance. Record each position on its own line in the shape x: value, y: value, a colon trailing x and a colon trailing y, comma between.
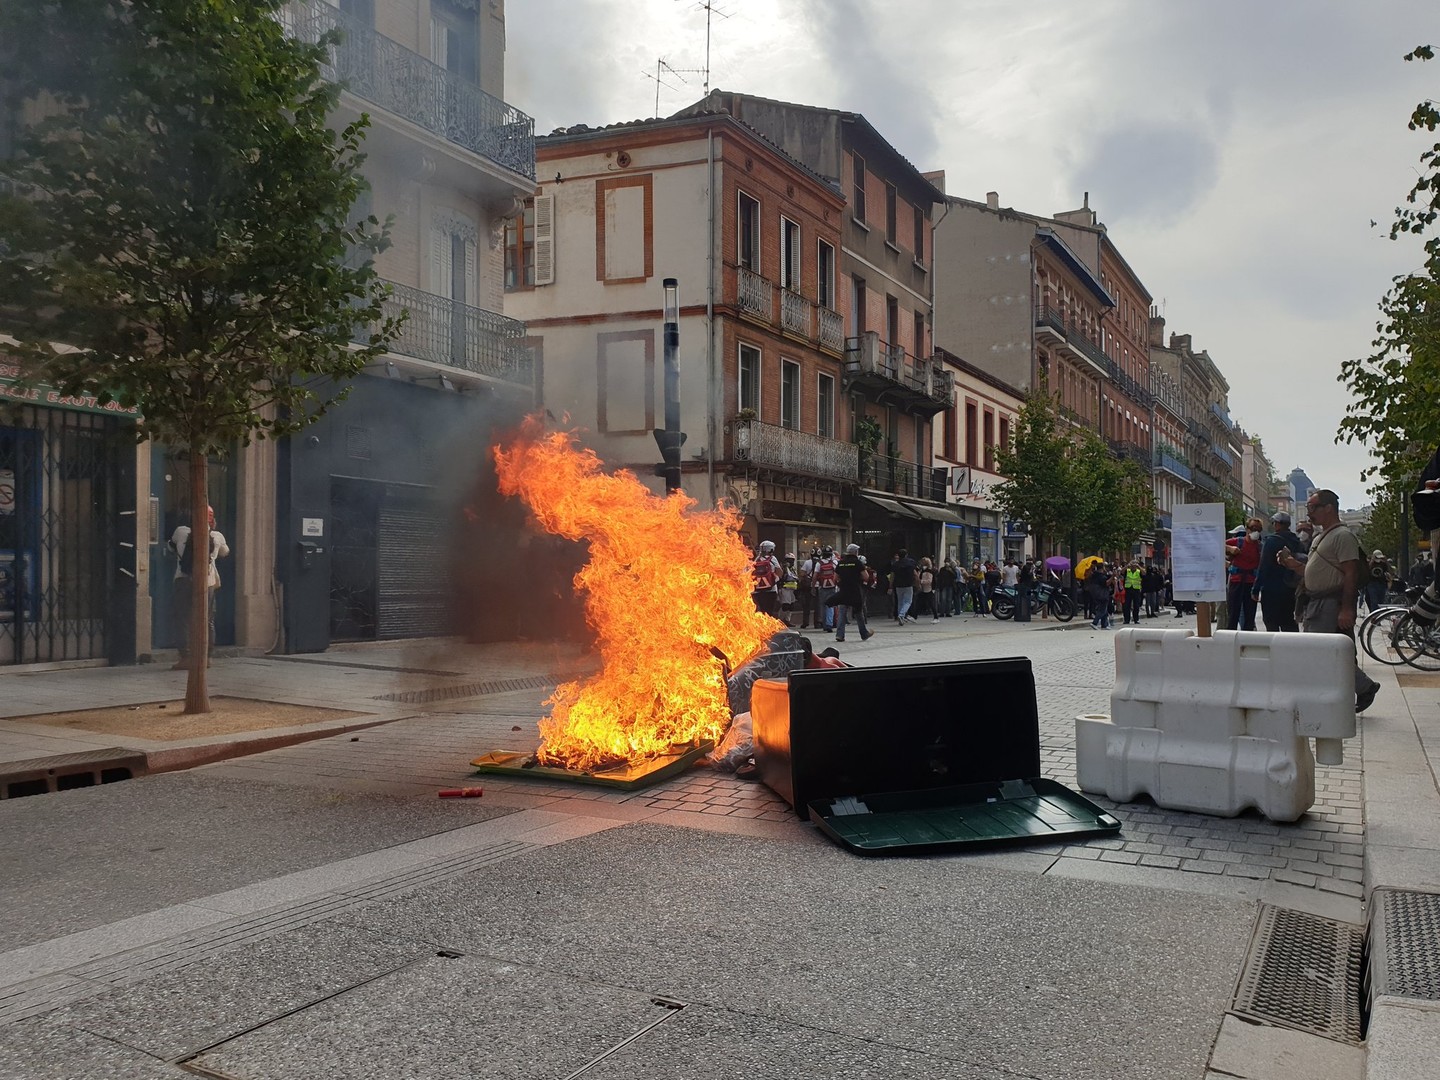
x: 624, y: 216
x: 790, y: 395
x: 857, y: 204
x: 453, y: 255
x: 857, y: 306
x: 455, y: 38
x: 919, y: 333
x: 891, y: 208
x: 825, y: 407
x: 749, y: 235
x: 520, y: 249
x: 789, y: 255
x: 825, y: 275
x: 970, y: 433
x: 749, y: 388
x: 919, y: 235
x: 1004, y: 433
x: 952, y: 421
x: 625, y: 382
x: 892, y: 321
x: 989, y: 441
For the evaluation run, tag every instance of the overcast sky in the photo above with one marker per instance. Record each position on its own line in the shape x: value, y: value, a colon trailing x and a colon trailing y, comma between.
x: 1237, y: 150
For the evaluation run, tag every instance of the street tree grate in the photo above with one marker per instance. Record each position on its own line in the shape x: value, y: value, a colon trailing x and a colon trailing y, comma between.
x: 477, y: 689
x: 1303, y: 972
x: 1404, y: 944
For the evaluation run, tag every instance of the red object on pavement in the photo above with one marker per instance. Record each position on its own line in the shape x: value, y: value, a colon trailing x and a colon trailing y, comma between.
x: 461, y: 793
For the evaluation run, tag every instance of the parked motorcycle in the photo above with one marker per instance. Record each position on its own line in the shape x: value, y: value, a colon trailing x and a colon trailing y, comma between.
x: 1047, y: 597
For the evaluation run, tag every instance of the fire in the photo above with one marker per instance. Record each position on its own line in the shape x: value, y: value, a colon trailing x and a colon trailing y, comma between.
x: 666, y: 583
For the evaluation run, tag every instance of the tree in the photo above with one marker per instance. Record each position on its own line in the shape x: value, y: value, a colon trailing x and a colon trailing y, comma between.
x: 1394, y: 408
x: 1382, y: 531
x: 185, y: 228
x: 1118, y: 505
x: 1039, y: 486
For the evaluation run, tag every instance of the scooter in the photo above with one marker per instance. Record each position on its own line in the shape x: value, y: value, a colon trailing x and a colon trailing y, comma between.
x: 1046, y: 598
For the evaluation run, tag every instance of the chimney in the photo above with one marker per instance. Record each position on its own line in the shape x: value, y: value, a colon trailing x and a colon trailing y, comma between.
x: 1157, y: 328
x: 992, y: 200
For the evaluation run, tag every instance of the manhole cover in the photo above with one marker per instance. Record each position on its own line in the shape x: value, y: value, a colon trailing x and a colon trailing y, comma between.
x: 1303, y: 972
x: 1405, y: 944
x: 475, y: 689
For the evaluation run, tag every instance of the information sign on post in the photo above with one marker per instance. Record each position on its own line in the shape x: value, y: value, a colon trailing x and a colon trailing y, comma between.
x: 1197, y: 557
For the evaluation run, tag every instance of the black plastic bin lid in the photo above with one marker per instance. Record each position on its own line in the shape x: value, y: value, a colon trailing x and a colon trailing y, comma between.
x: 959, y: 818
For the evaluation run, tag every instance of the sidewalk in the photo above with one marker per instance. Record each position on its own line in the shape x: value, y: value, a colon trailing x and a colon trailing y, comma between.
x: 1108, y: 958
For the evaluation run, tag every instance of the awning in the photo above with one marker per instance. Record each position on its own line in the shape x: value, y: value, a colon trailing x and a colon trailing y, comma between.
x: 890, y: 506
x: 930, y: 512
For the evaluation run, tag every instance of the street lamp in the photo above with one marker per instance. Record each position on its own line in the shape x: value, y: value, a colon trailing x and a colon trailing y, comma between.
x: 670, y: 438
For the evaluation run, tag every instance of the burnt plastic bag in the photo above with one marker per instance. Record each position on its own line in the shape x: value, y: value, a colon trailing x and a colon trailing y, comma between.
x: 736, y: 748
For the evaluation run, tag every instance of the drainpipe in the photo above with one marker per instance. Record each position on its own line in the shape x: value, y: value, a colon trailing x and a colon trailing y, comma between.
x: 711, y: 382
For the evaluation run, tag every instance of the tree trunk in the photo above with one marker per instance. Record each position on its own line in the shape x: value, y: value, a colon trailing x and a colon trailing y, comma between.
x: 197, y: 692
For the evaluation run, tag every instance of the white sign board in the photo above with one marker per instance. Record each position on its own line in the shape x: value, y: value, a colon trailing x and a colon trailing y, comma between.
x: 1197, y: 551
x: 312, y: 526
x: 959, y: 479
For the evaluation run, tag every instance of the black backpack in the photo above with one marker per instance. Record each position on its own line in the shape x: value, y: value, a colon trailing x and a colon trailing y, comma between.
x: 187, y: 557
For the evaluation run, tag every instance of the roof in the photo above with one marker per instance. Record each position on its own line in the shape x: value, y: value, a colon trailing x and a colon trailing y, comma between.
x: 584, y: 132
x: 1062, y: 251
x: 845, y: 117
x: 984, y: 376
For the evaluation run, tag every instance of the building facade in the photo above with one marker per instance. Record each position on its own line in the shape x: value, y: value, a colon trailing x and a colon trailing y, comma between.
x: 761, y: 339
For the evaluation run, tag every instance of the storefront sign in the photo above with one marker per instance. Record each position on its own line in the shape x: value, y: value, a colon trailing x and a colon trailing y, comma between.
x: 41, y: 394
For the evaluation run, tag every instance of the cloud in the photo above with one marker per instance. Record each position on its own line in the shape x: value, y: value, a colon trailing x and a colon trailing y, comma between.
x: 1148, y: 172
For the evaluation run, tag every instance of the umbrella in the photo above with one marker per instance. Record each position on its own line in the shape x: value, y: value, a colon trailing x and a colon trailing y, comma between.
x: 1058, y: 563
x: 1083, y: 566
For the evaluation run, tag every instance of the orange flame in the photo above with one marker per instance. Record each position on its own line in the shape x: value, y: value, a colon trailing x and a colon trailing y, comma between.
x: 665, y: 584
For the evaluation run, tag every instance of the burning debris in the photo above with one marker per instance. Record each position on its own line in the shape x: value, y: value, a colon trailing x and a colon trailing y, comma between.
x: 666, y: 590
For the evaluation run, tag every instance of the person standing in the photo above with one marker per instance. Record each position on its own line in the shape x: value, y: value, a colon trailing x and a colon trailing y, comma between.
x: 1332, y: 582
x: 825, y: 581
x: 805, y: 591
x: 1134, y: 592
x: 925, y: 590
x: 765, y: 571
x: 1425, y: 512
x: 184, y: 567
x: 1098, y: 584
x: 1243, y: 555
x: 850, y: 594
x: 993, y: 578
x: 1274, y: 585
x: 788, y: 585
x: 902, y: 580
x: 1154, y: 582
x: 1379, y: 577
x: 947, y: 579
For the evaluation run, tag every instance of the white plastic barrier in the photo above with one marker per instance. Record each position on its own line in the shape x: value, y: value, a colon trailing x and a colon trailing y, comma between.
x: 1218, y: 724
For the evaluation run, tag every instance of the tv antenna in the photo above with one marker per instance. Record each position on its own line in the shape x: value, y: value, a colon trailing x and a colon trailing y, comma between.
x: 662, y: 68
x: 708, y: 6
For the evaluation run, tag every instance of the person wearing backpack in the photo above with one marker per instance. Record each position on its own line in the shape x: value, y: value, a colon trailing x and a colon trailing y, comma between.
x: 765, y: 571
x: 184, y: 553
x: 826, y: 580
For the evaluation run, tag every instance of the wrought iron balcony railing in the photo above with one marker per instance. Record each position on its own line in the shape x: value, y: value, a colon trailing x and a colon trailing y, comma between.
x: 385, y: 73
x: 460, y: 336
x: 1202, y: 479
x: 832, y: 329
x: 1174, y: 464
x: 926, y: 382
x: 756, y: 294
x: 795, y: 313
x: 882, y: 473
x: 1223, y: 454
x: 1129, y: 451
x: 1073, y: 334
x: 796, y: 451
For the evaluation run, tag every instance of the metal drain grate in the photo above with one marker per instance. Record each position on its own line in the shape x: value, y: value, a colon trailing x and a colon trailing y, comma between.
x: 1303, y: 972
x: 477, y: 689
x: 1405, y: 944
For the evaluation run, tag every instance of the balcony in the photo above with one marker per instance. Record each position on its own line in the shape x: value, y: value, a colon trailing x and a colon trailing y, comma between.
x: 1204, y: 480
x: 406, y: 84
x: 1163, y: 521
x: 459, y: 336
x: 1129, y: 451
x: 881, y: 473
x: 1197, y: 430
x: 893, y: 377
x: 756, y: 295
x: 1218, y: 411
x: 832, y: 329
x: 796, y: 451
x: 1129, y: 386
x: 1050, y: 321
x: 1223, y: 455
x: 795, y: 313
x: 1173, y: 464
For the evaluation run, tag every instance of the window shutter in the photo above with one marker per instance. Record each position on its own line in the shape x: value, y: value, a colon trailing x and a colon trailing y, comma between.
x: 439, y: 43
x: 472, y: 277
x: 440, y: 262
x: 792, y: 257
x: 544, y: 239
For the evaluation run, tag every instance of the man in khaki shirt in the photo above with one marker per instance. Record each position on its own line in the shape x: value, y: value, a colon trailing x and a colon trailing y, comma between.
x: 1333, y: 574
